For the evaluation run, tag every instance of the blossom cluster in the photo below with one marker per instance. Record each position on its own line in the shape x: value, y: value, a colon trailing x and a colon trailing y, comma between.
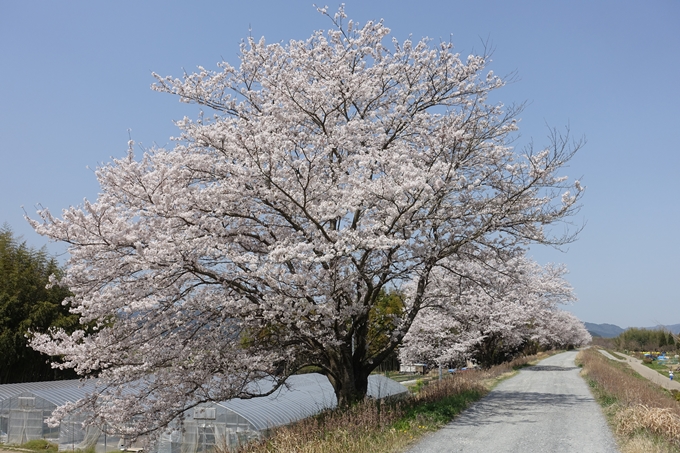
x: 331, y: 170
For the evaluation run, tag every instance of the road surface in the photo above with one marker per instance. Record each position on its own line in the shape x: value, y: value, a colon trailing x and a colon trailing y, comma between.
x: 545, y: 408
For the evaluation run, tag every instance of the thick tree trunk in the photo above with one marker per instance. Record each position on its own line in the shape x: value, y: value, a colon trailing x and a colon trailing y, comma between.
x: 348, y: 377
x: 350, y: 386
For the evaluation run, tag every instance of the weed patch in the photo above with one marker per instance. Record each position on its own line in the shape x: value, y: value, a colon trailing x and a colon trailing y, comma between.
x: 438, y: 413
x: 40, y: 445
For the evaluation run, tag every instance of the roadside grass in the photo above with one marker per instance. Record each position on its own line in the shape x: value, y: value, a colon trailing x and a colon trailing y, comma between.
x: 36, y: 445
x: 400, y: 377
x: 645, y: 417
x: 388, y: 426
x: 374, y: 426
x: 40, y: 445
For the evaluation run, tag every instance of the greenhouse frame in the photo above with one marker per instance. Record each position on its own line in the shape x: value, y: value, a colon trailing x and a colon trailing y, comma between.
x: 226, y: 424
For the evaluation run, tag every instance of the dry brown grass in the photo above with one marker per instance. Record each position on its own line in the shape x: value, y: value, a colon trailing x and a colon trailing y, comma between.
x: 371, y: 426
x: 623, y: 384
x: 333, y: 431
x: 645, y: 416
x: 653, y: 419
x: 645, y: 443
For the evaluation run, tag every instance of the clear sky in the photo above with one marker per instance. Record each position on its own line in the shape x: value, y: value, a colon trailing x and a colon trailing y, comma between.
x: 75, y: 77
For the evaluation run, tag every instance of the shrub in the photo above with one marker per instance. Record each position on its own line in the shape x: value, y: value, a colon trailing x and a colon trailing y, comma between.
x: 676, y: 394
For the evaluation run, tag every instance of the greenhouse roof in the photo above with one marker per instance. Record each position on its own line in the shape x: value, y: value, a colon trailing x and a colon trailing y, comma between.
x: 303, y: 396
x: 63, y: 391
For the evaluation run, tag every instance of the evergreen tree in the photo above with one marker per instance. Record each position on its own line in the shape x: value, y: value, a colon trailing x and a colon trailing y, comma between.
x: 27, y: 305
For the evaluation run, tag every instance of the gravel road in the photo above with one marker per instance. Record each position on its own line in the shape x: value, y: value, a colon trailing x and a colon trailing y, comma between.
x: 545, y: 408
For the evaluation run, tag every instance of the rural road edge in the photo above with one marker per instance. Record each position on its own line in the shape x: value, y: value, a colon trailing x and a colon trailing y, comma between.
x: 545, y: 408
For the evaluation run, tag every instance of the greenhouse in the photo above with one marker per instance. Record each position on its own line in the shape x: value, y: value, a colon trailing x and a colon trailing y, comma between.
x: 230, y: 423
x: 24, y: 408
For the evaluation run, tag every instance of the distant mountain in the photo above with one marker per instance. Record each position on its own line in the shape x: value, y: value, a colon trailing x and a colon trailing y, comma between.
x: 611, y: 330
x: 675, y: 328
x: 603, y: 330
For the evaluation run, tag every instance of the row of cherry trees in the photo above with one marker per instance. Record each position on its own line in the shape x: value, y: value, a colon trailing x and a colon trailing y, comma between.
x: 491, y: 317
x: 330, y: 171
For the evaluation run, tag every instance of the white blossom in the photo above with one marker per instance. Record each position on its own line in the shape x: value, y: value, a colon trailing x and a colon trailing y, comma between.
x: 332, y: 169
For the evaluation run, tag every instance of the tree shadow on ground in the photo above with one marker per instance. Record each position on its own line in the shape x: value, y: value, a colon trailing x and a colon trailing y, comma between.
x: 550, y: 368
x: 518, y: 407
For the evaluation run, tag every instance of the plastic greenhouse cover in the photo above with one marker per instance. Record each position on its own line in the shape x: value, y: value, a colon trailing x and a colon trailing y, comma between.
x: 303, y: 396
x: 63, y: 391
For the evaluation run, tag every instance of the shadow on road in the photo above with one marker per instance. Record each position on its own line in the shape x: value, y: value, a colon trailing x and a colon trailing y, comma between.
x: 517, y: 407
x: 551, y: 368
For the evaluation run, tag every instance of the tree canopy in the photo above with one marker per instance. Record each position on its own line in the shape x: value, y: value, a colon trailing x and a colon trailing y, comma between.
x: 27, y: 305
x: 646, y: 340
x: 491, y: 317
x: 330, y: 171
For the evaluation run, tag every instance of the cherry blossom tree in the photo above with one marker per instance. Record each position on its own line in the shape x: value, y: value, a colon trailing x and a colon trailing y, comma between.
x: 472, y: 313
x: 561, y: 329
x: 329, y: 170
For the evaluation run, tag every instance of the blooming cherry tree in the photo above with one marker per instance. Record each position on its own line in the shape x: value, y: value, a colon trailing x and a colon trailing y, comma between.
x: 561, y: 329
x: 330, y: 170
x: 472, y: 312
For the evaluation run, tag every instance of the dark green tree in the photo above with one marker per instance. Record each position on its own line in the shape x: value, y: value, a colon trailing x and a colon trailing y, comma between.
x: 26, y: 305
x: 636, y: 339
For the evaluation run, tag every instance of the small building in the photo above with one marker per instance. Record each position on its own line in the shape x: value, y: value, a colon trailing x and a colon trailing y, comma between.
x: 415, y: 368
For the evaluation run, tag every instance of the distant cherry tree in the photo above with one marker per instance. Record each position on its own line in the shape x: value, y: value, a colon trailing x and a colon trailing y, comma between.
x: 490, y: 317
x: 561, y: 329
x: 329, y: 171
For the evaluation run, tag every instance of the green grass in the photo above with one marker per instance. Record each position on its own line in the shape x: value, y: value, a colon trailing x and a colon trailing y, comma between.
x: 401, y: 377
x: 309, y: 369
x: 40, y: 445
x: 434, y: 415
x: 661, y: 368
x: 604, y: 398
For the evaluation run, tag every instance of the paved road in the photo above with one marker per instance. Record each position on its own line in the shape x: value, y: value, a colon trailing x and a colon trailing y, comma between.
x: 545, y: 408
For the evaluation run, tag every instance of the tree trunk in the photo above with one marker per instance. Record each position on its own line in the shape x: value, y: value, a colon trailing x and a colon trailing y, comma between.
x: 348, y: 378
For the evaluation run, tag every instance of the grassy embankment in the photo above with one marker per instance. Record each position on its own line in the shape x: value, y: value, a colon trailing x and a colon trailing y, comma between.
x: 382, y: 427
x: 614, y: 354
x: 645, y: 417
x: 37, y: 445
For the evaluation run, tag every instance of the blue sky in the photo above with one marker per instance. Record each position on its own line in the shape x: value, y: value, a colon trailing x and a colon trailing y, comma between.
x: 75, y: 78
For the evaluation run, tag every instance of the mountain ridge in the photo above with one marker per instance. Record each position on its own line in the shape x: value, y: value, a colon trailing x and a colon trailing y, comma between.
x: 612, y: 330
